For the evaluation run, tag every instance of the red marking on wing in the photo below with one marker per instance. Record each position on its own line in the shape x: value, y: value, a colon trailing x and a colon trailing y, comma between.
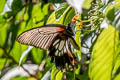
x: 72, y: 58
x: 60, y: 29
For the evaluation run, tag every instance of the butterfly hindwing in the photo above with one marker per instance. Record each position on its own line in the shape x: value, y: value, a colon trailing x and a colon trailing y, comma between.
x: 61, y: 54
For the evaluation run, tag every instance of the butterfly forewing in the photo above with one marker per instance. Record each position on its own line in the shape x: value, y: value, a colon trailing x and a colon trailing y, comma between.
x: 41, y: 37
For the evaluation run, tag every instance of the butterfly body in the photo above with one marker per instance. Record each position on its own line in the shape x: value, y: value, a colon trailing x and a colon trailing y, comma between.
x: 55, y: 38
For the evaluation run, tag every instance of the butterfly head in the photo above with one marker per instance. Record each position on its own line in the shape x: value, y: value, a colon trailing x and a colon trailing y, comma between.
x: 69, y: 29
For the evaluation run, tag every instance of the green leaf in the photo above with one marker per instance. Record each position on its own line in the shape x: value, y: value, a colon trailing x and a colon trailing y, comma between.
x: 102, y: 58
x: 77, y: 37
x: 87, y: 4
x: 59, y: 76
x: 62, y: 17
x: 117, y: 62
x: 56, y: 1
x: 117, y: 3
x: 2, y: 4
x: 40, y: 15
x: 83, y: 76
x: 70, y: 75
x: 54, y: 73
x: 112, y: 15
x: 116, y: 68
x: 15, y: 8
x: 77, y: 71
x: 17, y: 51
x: 51, y: 19
x: 61, y: 10
x: 2, y: 21
x: 38, y: 55
x: 69, y: 15
x: 34, y: 19
x: 3, y: 34
x: 117, y: 77
x: 1, y: 52
x: 20, y: 78
x: 48, y: 65
x: 2, y: 62
x: 17, y: 5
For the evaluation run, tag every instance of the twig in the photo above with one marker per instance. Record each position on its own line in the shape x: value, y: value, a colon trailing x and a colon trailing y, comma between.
x: 9, y: 56
x: 28, y: 72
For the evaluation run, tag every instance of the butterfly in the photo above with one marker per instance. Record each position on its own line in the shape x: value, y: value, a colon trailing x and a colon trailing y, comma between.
x: 56, y: 39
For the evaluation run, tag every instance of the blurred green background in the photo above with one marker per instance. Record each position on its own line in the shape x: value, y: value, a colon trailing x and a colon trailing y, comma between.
x: 97, y: 37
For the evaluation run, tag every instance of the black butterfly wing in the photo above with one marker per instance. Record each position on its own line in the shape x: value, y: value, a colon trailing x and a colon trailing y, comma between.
x: 61, y: 54
x: 41, y: 37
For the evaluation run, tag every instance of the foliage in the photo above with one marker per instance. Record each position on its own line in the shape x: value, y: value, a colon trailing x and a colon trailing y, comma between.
x: 96, y: 28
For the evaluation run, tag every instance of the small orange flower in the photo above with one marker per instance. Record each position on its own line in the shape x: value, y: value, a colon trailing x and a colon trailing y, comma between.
x: 80, y: 24
x: 51, y: 7
x: 74, y: 18
x: 32, y: 78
